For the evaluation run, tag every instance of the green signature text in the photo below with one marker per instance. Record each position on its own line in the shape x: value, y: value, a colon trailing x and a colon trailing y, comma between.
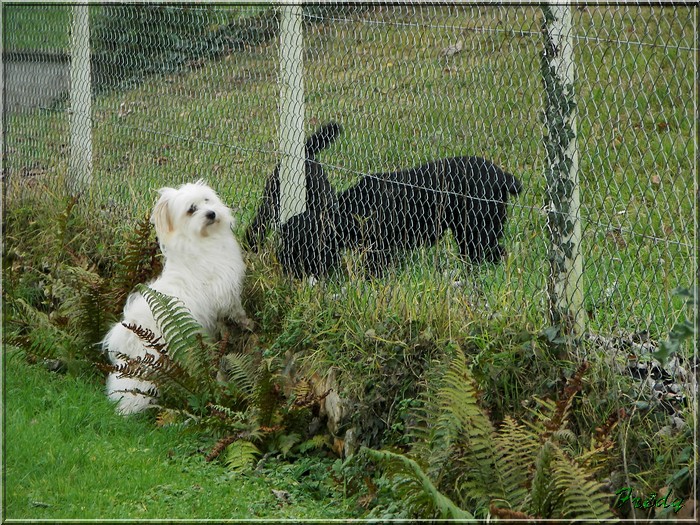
x: 638, y: 502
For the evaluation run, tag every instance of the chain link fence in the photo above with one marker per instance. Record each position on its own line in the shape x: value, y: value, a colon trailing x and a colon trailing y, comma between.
x: 182, y: 92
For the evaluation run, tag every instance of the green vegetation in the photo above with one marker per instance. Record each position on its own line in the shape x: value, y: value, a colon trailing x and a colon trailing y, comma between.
x: 36, y: 27
x: 69, y: 456
x: 544, y: 470
x: 390, y: 342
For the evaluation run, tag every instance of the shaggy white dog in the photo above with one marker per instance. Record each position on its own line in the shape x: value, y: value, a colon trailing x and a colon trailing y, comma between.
x: 204, y: 268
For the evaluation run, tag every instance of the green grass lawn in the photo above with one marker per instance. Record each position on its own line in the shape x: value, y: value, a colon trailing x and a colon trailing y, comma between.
x: 36, y: 27
x: 69, y: 456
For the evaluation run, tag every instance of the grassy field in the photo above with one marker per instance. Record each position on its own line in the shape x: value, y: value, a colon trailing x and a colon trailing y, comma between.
x: 402, y: 104
x: 382, y: 74
x: 69, y: 456
x: 36, y: 27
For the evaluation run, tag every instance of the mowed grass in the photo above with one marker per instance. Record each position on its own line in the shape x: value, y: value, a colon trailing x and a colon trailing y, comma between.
x: 69, y: 456
x: 36, y: 27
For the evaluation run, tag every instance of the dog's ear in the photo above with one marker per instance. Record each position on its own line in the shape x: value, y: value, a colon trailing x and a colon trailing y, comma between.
x: 160, y: 217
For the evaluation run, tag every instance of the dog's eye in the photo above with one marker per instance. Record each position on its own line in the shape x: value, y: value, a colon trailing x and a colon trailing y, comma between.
x: 192, y: 209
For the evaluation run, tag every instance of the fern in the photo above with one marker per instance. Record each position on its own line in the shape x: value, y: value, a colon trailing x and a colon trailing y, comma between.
x: 268, y: 398
x: 563, y: 406
x: 540, y: 501
x: 176, y: 388
x: 92, y: 315
x: 579, y: 496
x: 74, y: 323
x: 180, y: 330
x: 179, y: 362
x: 317, y: 442
x: 188, y: 345
x: 523, y: 469
x: 286, y: 442
x: 241, y: 455
x: 454, y: 437
x: 458, y: 400
x: 241, y: 376
x: 37, y: 335
x: 516, y: 449
x: 414, y: 487
x: 139, y: 263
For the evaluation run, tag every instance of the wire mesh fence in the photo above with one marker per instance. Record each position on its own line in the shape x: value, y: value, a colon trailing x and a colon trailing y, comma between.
x: 182, y: 92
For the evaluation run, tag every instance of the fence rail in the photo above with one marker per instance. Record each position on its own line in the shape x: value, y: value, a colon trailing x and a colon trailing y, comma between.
x: 182, y: 92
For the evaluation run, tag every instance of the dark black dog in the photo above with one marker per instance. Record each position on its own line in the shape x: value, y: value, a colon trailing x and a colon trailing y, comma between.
x: 318, y: 188
x: 308, y: 242
x: 386, y: 214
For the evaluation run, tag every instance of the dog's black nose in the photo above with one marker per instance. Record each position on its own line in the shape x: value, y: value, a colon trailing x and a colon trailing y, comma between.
x: 210, y: 215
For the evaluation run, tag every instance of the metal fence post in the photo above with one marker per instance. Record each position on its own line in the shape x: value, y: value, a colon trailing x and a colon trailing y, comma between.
x: 291, y: 134
x: 80, y: 166
x: 565, y: 283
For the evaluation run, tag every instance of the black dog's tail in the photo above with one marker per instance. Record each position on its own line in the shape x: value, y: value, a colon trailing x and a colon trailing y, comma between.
x: 324, y: 137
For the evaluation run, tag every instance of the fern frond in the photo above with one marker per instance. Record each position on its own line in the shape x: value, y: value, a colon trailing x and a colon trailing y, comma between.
x: 180, y: 330
x: 224, y: 421
x: 154, y: 368
x: 541, y: 500
x: 515, y: 449
x: 561, y: 414
x: 148, y: 337
x: 581, y: 497
x: 139, y: 263
x: 542, y: 413
x: 175, y: 386
x: 187, y: 344
x: 220, y: 446
x: 317, y: 442
x: 241, y: 375
x: 598, y: 452
x: 464, y: 426
x: 241, y: 455
x: 37, y: 335
x: 414, y: 487
x: 507, y: 514
x: 286, y: 442
x: 268, y: 397
x: 226, y: 413
x: 89, y: 304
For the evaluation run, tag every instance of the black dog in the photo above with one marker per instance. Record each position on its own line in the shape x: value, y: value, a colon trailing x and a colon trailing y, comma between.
x: 386, y: 214
x: 318, y: 189
x: 309, y: 242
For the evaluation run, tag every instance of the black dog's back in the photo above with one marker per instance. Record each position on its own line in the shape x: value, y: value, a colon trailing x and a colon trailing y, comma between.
x: 387, y: 213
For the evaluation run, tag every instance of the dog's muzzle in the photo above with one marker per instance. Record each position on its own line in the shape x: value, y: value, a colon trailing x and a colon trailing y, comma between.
x: 211, y: 217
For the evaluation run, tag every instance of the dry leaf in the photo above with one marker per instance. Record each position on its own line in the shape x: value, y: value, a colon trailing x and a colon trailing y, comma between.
x: 452, y: 50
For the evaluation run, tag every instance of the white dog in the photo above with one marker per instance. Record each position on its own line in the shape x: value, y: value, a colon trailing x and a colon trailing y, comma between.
x: 204, y: 268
